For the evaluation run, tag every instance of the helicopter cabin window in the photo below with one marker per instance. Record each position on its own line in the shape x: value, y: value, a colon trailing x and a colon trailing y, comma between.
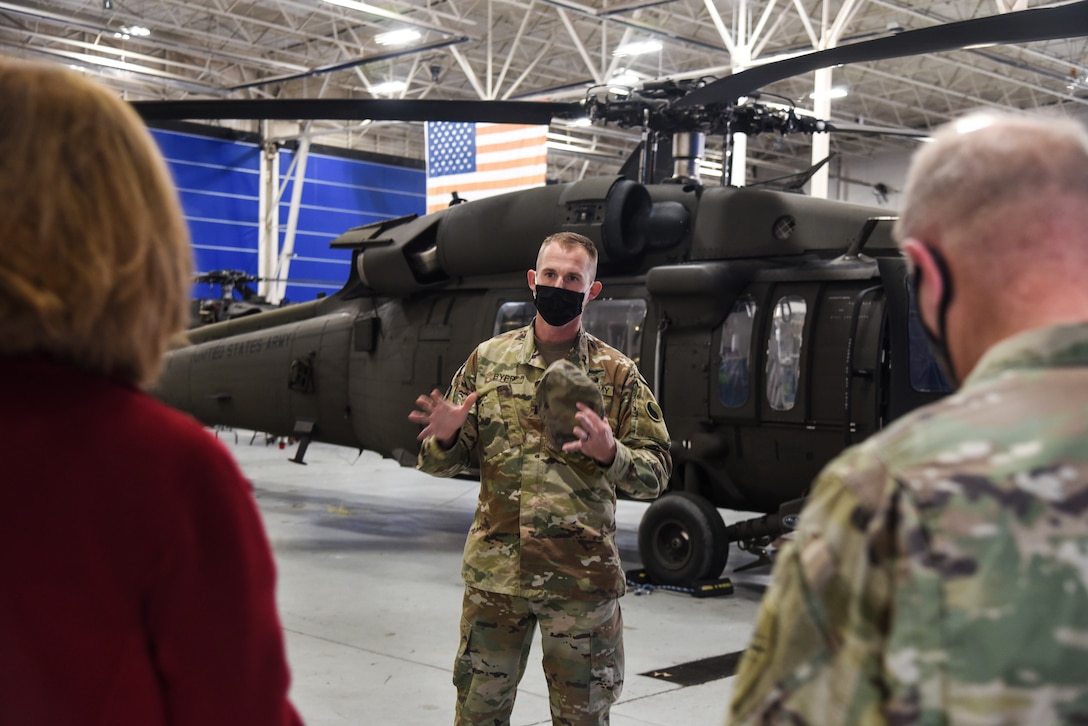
x: 618, y: 322
x: 926, y: 375
x: 735, y: 352
x: 784, y: 352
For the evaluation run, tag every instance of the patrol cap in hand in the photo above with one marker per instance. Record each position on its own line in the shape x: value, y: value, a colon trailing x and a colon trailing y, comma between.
x: 562, y: 388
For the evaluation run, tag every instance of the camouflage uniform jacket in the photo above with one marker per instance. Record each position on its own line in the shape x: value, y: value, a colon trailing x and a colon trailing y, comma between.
x: 940, y: 571
x: 545, y: 525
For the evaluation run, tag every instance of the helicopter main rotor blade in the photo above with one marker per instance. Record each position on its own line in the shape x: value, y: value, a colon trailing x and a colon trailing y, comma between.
x: 1023, y: 26
x: 866, y: 130
x: 291, y: 109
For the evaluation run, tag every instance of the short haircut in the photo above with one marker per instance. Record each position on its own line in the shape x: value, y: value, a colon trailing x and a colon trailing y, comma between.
x: 568, y: 240
x: 979, y: 165
x: 96, y: 266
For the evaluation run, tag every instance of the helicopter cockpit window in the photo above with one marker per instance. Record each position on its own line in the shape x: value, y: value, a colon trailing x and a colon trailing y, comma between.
x: 735, y: 353
x: 618, y: 322
x: 926, y: 375
x: 784, y: 352
x: 513, y: 315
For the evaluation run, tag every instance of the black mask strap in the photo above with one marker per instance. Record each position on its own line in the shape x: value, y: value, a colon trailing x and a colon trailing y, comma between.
x: 939, y: 340
x: 946, y: 296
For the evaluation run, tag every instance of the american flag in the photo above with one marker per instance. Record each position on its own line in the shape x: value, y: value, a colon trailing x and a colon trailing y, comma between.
x: 481, y: 160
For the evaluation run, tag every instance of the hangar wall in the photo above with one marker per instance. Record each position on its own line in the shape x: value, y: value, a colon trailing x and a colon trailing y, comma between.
x: 219, y: 184
x: 864, y: 173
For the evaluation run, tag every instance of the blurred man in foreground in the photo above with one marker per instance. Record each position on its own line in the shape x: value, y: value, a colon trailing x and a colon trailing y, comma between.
x: 940, y: 572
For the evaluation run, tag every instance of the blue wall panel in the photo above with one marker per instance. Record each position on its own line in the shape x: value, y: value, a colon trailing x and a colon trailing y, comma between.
x: 225, y: 180
x: 212, y: 204
x: 193, y: 148
x: 208, y: 234
x: 339, y: 194
x: 381, y: 176
x: 219, y: 185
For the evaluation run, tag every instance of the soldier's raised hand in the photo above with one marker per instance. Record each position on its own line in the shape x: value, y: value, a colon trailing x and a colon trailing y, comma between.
x: 593, y: 436
x: 440, y: 417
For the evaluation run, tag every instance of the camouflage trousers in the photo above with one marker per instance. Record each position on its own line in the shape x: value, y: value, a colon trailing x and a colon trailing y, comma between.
x: 582, y: 642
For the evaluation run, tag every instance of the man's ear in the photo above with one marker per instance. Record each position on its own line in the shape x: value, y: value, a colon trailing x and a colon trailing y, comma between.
x: 595, y: 289
x: 531, y: 276
x: 930, y: 287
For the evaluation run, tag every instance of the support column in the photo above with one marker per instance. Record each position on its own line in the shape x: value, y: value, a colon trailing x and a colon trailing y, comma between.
x: 283, y: 268
x: 268, y: 231
x: 740, y: 58
x: 821, y: 143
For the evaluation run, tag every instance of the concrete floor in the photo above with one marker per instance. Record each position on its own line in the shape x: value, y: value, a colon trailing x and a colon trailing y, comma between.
x: 369, y: 558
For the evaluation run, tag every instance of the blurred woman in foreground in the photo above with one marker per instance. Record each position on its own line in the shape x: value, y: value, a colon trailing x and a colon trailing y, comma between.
x: 137, y: 581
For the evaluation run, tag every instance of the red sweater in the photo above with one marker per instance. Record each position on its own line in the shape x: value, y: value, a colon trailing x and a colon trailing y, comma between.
x: 136, y: 581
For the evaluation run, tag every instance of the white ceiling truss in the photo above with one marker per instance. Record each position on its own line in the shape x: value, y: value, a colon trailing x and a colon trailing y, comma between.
x: 545, y: 49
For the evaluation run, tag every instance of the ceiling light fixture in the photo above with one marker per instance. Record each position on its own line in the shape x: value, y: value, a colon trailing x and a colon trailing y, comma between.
x: 836, y: 92
x: 365, y: 8
x: 637, y: 48
x: 397, y: 37
x: 388, y: 88
x: 120, y: 65
x: 351, y: 4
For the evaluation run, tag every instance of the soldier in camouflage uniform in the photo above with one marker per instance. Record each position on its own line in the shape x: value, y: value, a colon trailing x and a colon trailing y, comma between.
x: 542, y: 549
x: 940, y: 572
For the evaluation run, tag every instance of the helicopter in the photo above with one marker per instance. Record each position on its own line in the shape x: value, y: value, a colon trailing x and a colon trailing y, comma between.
x: 775, y: 329
x: 236, y: 299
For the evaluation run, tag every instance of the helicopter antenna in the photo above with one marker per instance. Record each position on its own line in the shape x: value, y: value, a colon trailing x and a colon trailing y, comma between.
x: 866, y: 232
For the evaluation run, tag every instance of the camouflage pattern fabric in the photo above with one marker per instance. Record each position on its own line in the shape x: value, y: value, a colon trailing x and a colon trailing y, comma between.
x: 545, y: 524
x: 940, y: 572
x: 562, y: 388
x: 583, y: 657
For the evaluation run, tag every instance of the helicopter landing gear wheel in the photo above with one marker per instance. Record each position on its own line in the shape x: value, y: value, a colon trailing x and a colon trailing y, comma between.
x: 681, y: 539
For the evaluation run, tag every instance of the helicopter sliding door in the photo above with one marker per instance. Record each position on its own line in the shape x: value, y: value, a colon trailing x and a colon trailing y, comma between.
x: 404, y: 348
x: 317, y: 379
x: 847, y: 388
x: 917, y: 378
x: 771, y: 460
x: 796, y: 377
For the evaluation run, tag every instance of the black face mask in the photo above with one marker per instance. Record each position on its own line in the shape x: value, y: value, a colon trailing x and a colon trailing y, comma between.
x: 558, y: 306
x: 938, y: 341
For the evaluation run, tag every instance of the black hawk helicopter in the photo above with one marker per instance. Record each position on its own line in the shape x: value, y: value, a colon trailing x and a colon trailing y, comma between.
x: 775, y: 329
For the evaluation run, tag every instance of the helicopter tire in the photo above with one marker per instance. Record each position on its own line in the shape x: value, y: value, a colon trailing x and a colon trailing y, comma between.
x: 681, y: 539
